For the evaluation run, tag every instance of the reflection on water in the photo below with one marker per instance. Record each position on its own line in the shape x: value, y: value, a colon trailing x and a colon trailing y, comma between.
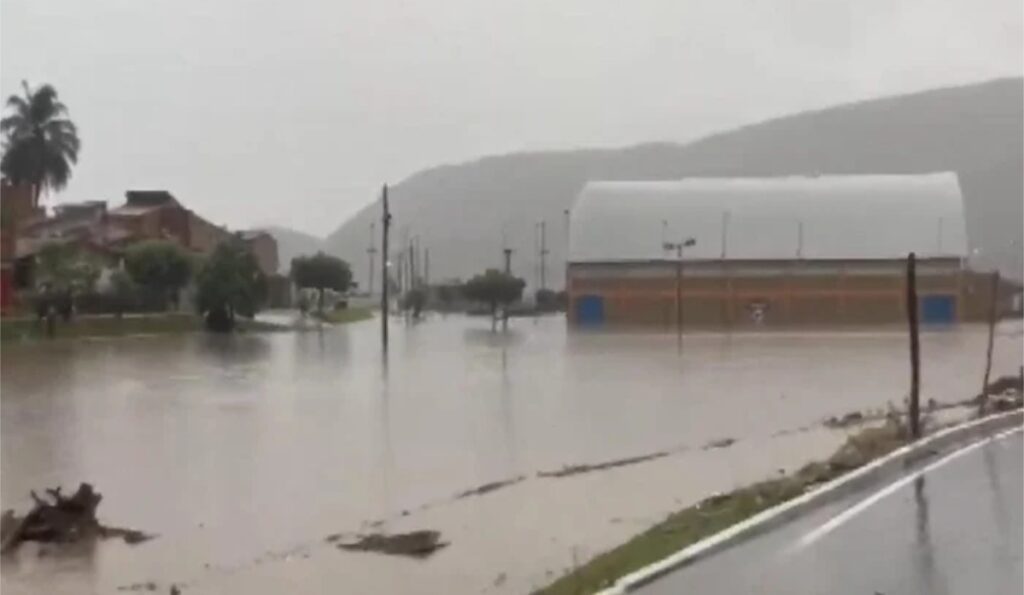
x: 925, y: 551
x: 230, y: 446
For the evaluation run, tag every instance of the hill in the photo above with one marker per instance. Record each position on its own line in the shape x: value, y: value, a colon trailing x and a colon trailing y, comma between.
x: 291, y: 243
x: 461, y: 212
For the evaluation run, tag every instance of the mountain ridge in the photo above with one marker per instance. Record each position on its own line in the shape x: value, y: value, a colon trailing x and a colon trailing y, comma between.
x: 466, y: 212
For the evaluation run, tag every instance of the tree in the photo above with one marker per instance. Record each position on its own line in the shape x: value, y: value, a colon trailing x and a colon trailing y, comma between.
x: 230, y: 283
x: 121, y: 291
x: 546, y: 300
x: 494, y: 288
x: 448, y: 293
x: 63, y: 272
x: 40, y: 144
x: 415, y: 299
x: 321, y: 272
x: 161, y: 268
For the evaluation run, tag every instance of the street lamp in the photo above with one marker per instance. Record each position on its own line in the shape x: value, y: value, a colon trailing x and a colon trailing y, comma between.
x: 678, y: 247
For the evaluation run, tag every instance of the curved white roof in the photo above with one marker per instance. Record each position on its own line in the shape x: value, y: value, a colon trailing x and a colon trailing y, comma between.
x: 822, y: 217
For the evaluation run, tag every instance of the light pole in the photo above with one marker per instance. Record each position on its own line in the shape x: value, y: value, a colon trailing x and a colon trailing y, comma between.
x: 678, y: 247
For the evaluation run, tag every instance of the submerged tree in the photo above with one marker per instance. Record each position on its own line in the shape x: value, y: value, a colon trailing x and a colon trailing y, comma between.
x: 62, y: 273
x: 321, y: 272
x: 161, y: 268
x: 230, y: 283
x: 494, y: 288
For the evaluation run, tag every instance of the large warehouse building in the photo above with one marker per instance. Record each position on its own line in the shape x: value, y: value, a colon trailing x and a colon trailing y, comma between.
x: 770, y: 251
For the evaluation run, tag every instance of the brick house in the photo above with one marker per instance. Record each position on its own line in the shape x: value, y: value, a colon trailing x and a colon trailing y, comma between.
x: 18, y: 208
x: 157, y: 215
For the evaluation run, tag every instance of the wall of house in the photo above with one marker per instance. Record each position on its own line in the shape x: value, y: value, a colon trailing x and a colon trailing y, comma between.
x: 264, y: 247
x: 203, y: 235
x: 778, y: 293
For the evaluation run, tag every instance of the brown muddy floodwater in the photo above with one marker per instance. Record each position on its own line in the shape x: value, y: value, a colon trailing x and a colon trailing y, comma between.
x: 247, y: 451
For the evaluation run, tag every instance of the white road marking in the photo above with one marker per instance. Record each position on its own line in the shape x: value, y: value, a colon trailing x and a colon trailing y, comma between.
x: 841, y: 518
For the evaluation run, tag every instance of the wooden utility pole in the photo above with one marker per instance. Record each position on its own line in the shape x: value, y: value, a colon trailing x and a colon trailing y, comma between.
x: 426, y: 266
x: 385, y: 226
x: 565, y: 253
x: 993, y: 315
x: 678, y: 247
x: 914, y: 412
x: 679, y: 292
x: 508, y: 273
x: 371, y: 251
x: 543, y: 255
x: 412, y: 266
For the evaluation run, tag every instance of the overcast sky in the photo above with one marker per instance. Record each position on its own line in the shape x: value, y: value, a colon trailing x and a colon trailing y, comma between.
x: 294, y: 112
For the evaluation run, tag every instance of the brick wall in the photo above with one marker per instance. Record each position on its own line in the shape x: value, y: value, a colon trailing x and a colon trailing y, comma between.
x: 797, y: 293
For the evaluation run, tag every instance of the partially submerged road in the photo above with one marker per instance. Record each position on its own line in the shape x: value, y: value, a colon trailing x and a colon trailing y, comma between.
x: 952, y: 525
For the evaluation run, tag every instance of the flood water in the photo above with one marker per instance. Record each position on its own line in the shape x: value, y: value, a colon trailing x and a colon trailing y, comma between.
x: 232, y: 447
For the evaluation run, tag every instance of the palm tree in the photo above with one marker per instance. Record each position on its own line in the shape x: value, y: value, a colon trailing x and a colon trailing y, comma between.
x: 40, y: 143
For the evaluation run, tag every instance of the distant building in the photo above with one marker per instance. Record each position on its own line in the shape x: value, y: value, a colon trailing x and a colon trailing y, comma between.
x: 157, y: 215
x: 771, y: 251
x: 264, y: 247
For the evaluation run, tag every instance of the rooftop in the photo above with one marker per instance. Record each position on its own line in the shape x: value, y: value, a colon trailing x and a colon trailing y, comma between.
x: 149, y: 198
x: 820, y: 217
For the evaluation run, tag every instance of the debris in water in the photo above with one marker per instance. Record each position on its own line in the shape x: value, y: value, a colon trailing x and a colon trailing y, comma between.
x: 418, y: 544
x: 489, y: 487
x: 147, y: 586
x: 852, y: 418
x: 61, y: 519
x: 500, y: 580
x: 721, y: 443
x: 577, y: 469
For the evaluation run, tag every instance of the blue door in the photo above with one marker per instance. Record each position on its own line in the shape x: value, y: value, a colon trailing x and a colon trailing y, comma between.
x: 590, y: 309
x: 938, y: 309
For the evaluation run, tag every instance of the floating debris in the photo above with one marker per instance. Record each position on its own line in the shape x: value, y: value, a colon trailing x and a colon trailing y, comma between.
x: 850, y: 419
x: 721, y: 443
x: 577, y: 469
x: 61, y: 519
x: 489, y: 487
x: 147, y: 586
x: 417, y: 544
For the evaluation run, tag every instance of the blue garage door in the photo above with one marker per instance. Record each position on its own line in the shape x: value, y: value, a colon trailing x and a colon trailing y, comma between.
x: 590, y: 309
x: 938, y: 309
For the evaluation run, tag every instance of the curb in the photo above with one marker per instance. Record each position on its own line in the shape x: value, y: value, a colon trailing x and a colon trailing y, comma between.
x: 824, y: 494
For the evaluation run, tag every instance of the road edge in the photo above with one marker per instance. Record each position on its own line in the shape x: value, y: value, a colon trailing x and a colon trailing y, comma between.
x: 824, y: 494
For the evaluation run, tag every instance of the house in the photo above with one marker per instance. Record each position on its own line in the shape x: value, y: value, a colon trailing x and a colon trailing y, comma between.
x: 770, y: 251
x: 18, y: 209
x: 264, y: 247
x: 157, y: 215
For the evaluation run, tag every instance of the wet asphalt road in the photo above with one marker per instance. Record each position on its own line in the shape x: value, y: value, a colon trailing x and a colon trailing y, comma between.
x: 957, y: 528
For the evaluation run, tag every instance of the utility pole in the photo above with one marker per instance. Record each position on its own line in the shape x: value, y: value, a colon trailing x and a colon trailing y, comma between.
x: 993, y: 317
x: 412, y: 265
x: 508, y: 273
x: 426, y: 266
x: 725, y: 232
x: 565, y: 255
x: 915, y: 350
x: 799, y: 239
x: 400, y: 271
x: 385, y: 226
x: 371, y: 251
x: 543, y: 255
x: 678, y: 247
